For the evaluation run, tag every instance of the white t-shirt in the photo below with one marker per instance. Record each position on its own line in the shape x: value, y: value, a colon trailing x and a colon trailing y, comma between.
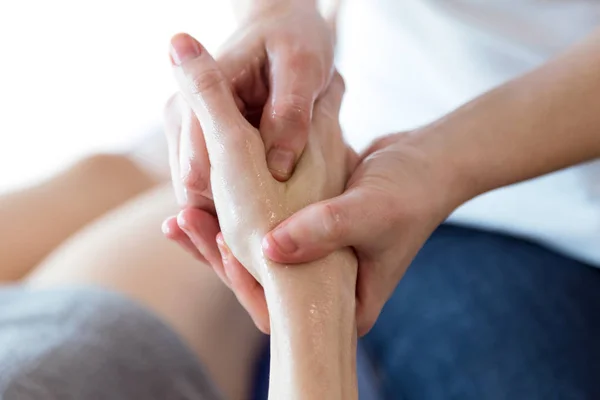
x: 409, y: 62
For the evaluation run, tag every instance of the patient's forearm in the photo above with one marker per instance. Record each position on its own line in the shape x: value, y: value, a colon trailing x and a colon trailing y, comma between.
x: 313, y: 328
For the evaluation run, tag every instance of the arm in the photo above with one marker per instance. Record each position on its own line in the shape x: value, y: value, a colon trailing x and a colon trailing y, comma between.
x: 312, y: 308
x: 313, y: 328
x: 278, y: 62
x: 312, y: 323
x: 538, y: 123
x: 541, y: 122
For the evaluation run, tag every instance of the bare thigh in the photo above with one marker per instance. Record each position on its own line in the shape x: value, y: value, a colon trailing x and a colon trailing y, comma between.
x: 126, y: 252
x: 38, y: 218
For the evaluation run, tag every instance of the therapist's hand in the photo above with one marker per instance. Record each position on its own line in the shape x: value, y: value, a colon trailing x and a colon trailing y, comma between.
x: 394, y: 200
x: 278, y: 62
x: 249, y: 201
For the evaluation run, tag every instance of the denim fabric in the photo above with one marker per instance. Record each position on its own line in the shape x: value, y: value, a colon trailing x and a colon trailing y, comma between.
x: 483, y: 316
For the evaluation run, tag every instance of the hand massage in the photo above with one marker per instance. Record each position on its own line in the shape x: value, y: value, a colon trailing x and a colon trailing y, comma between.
x: 362, y: 200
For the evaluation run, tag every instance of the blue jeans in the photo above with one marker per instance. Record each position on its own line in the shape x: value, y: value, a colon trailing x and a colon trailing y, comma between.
x: 480, y: 316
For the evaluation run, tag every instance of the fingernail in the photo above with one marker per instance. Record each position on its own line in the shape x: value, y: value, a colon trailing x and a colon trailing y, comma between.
x: 223, y: 248
x: 166, y: 228
x: 186, y: 227
x: 184, y: 48
x: 281, y: 162
x: 225, y: 252
x: 282, y: 240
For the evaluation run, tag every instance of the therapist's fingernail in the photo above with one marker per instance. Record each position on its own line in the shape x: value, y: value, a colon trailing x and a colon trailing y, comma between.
x: 281, y: 162
x: 282, y: 241
x: 225, y: 257
x: 184, y: 48
x: 222, y: 246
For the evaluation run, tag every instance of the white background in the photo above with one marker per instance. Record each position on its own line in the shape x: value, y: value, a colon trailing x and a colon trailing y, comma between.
x: 80, y: 76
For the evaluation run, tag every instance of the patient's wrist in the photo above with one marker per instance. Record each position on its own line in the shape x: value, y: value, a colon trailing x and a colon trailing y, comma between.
x: 313, y: 328
x: 328, y: 282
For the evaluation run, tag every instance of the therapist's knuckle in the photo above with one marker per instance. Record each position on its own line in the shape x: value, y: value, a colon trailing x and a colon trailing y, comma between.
x: 295, y: 110
x: 334, y: 222
x: 303, y: 61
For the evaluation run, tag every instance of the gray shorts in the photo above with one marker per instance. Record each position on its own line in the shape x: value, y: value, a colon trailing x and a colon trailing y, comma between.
x: 85, y: 343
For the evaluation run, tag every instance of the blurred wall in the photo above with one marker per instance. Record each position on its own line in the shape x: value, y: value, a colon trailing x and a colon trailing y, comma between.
x: 79, y: 77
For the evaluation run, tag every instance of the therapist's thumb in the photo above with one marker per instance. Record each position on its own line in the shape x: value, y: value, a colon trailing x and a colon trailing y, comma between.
x: 321, y: 228
x: 295, y: 83
x: 229, y: 137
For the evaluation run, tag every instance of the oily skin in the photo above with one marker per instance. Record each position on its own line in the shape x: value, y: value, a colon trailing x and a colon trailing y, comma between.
x: 535, y: 124
x: 311, y: 307
x: 277, y: 63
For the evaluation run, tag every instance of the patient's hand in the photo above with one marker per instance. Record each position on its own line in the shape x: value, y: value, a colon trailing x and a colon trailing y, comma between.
x: 312, y: 308
x: 253, y: 202
x: 249, y: 201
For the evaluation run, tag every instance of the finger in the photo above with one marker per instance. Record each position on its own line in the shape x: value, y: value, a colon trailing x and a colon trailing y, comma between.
x: 173, y: 232
x: 250, y: 294
x: 327, y: 137
x: 194, y: 165
x: 201, y: 227
x: 370, y: 299
x: 231, y: 142
x: 248, y: 291
x: 244, y: 70
x: 296, y: 79
x: 321, y: 228
x: 173, y: 122
x: 330, y: 101
x: 366, y: 318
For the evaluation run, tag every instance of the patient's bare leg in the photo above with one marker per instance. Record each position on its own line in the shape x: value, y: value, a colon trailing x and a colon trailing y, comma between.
x: 37, y: 219
x: 126, y: 251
